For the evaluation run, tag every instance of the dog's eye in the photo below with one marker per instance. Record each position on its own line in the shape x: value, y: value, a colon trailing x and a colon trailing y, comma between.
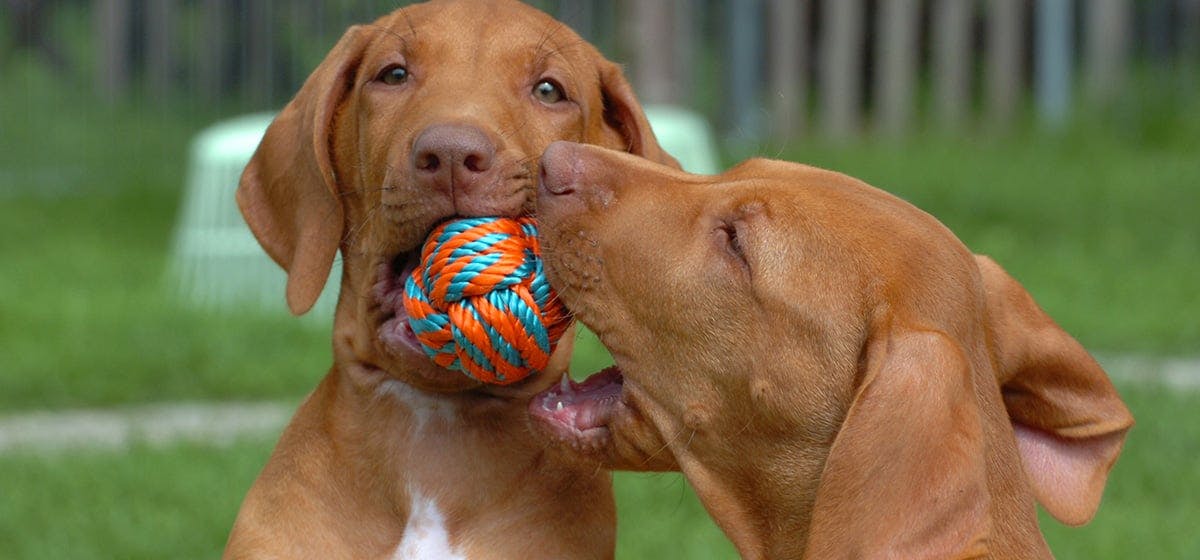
x: 549, y: 92
x: 393, y: 75
x: 728, y: 234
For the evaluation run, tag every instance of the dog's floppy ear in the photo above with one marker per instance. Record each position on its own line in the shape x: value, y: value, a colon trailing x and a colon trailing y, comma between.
x: 288, y: 192
x: 625, y: 124
x: 906, y: 475
x: 1069, y: 420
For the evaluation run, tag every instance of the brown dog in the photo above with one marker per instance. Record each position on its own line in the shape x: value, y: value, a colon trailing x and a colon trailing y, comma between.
x: 828, y: 365
x: 436, y: 110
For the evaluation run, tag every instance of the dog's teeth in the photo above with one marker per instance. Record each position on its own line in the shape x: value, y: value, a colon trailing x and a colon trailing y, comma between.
x: 558, y: 406
x: 565, y: 383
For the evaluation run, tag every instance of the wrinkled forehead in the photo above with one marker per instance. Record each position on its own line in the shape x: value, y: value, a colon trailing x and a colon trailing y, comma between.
x: 481, y: 32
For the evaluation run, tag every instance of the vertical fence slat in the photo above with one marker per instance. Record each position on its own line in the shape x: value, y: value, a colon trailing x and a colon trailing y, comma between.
x: 1005, y: 61
x: 579, y: 15
x: 896, y: 61
x: 788, y: 23
x: 1189, y: 44
x: 1053, y: 60
x: 650, y: 34
x: 841, y: 62
x: 745, y: 53
x: 1156, y: 30
x: 160, y: 46
x: 214, y: 40
x: 684, y: 23
x: 111, y: 25
x: 259, y: 70
x: 1107, y: 34
x: 952, y: 61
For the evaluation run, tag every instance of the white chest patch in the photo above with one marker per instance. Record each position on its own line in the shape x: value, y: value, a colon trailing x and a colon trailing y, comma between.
x: 423, y: 407
x: 425, y: 535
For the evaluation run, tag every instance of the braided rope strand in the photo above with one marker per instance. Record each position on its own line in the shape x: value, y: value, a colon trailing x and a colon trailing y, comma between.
x: 480, y: 303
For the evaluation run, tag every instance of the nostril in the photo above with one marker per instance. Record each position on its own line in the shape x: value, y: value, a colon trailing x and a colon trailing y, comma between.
x: 554, y: 185
x: 427, y: 161
x: 477, y: 163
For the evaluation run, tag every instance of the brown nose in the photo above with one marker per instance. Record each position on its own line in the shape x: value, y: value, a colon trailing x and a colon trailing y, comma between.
x: 558, y: 169
x: 452, y: 157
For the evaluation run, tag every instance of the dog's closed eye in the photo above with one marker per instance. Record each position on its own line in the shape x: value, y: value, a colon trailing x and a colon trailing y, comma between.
x: 730, y: 240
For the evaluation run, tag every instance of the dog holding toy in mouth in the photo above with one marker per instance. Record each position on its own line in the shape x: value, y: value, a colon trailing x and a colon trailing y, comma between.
x: 833, y: 371
x: 434, y: 114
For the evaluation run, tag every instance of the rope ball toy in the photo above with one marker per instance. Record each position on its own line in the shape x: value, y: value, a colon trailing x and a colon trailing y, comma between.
x: 479, y: 302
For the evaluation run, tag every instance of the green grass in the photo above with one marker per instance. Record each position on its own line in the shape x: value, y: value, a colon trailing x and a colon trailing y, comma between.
x: 88, y: 199
x: 176, y: 502
x: 179, y: 502
x: 1098, y: 223
x: 1102, y: 232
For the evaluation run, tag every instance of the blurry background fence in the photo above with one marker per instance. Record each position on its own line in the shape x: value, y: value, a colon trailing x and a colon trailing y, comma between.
x: 756, y: 68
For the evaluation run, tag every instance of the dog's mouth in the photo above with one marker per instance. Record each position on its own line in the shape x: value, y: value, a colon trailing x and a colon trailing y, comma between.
x: 578, y: 414
x: 396, y: 337
x: 395, y: 331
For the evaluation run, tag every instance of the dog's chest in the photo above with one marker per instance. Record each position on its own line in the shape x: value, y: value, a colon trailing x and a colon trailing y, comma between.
x: 425, y: 534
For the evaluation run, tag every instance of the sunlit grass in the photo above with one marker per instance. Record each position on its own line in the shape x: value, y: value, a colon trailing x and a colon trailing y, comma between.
x: 1099, y: 224
x: 179, y: 502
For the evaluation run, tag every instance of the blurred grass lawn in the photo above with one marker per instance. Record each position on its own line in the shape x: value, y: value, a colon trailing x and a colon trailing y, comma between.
x: 1099, y: 224
x: 179, y: 502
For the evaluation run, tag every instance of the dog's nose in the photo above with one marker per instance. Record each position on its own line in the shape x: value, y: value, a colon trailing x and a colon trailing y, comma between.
x: 559, y: 169
x: 452, y: 157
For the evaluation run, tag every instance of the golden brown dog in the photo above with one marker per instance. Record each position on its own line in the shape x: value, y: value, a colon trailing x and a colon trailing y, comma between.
x: 833, y: 371
x: 434, y: 111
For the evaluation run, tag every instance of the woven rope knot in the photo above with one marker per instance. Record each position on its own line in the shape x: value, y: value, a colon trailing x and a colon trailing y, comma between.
x: 479, y: 302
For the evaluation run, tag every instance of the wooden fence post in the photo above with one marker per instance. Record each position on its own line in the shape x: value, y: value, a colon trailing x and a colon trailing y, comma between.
x: 1108, y: 29
x: 110, y: 19
x: 214, y: 40
x: 840, y: 68
x: 579, y: 15
x: 1053, y: 60
x: 788, y: 77
x: 684, y: 23
x: 745, y: 51
x: 1005, y: 61
x: 896, y: 63
x: 258, y: 74
x: 1189, y: 44
x: 651, y: 34
x: 952, y: 61
x: 160, y: 46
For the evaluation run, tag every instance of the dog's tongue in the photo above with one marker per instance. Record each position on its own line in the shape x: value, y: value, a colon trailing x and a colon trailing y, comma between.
x: 581, y: 406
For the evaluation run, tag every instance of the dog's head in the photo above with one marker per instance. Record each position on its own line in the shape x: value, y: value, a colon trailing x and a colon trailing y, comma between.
x: 780, y: 330
x: 436, y: 110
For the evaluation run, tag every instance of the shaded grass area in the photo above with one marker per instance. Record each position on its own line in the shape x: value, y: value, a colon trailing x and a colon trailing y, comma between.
x: 1102, y: 231
x: 179, y: 502
x: 88, y: 199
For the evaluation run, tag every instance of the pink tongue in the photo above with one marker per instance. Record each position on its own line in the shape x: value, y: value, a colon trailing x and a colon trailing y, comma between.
x: 584, y: 405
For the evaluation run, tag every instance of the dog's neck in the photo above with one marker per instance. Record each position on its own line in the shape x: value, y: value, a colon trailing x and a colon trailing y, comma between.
x: 765, y: 511
x: 466, y: 468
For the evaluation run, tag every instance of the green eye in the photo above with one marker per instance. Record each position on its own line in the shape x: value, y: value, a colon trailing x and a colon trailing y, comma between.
x: 394, y: 75
x: 548, y: 92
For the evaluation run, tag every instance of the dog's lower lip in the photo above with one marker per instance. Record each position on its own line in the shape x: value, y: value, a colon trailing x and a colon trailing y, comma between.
x: 580, y: 410
x: 394, y: 329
